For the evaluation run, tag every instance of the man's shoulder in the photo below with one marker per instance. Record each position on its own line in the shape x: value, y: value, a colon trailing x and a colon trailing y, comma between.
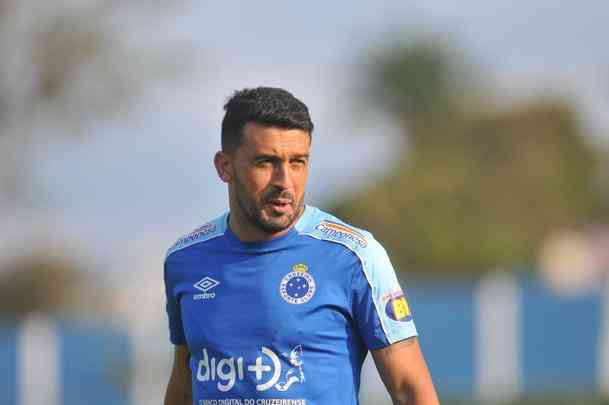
x: 327, y: 227
x: 209, y: 230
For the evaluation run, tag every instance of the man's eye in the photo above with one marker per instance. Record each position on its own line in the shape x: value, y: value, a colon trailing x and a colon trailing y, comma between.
x: 262, y: 162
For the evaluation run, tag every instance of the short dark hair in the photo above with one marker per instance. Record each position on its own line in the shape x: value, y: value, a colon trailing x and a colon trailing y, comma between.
x: 268, y: 106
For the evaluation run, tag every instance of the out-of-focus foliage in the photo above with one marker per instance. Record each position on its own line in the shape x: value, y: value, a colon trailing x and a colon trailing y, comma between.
x: 479, y: 187
x: 64, y: 64
x: 40, y: 283
x: 419, y: 81
x: 79, y: 60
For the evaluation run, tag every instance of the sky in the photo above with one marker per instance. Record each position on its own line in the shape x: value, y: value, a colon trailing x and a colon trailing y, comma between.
x: 150, y: 172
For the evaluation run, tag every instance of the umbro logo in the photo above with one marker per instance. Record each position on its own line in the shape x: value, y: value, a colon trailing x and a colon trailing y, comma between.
x: 205, y: 284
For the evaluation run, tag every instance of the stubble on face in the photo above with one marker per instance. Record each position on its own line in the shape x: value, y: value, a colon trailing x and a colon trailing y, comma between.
x: 257, y: 216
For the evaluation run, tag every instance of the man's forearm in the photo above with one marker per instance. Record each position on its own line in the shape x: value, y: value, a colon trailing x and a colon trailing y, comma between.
x: 177, y: 396
x: 179, y: 388
x: 405, y: 374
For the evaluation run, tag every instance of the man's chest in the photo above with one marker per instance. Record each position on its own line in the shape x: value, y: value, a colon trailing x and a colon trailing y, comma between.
x: 284, y: 300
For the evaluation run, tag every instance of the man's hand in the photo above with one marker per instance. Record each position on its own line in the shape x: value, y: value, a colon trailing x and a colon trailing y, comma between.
x: 179, y: 389
x: 404, y: 373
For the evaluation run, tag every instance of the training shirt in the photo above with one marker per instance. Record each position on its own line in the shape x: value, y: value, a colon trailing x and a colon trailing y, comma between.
x: 286, y: 321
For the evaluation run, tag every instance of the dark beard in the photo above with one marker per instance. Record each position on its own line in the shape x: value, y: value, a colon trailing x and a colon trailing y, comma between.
x: 253, y: 213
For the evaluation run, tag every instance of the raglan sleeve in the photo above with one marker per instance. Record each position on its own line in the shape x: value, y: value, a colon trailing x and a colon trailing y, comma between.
x: 172, y: 306
x: 381, y: 312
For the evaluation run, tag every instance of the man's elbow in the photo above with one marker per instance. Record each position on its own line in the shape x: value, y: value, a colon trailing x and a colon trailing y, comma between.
x: 406, y: 394
x: 401, y: 394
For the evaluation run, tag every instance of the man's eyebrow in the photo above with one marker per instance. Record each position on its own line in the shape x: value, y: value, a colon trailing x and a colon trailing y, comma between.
x: 301, y: 155
x: 275, y: 157
x: 265, y: 156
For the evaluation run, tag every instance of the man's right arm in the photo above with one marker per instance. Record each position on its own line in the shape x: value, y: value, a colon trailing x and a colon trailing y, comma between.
x: 179, y: 389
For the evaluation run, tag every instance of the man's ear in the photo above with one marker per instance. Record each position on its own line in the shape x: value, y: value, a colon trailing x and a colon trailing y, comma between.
x: 224, y: 166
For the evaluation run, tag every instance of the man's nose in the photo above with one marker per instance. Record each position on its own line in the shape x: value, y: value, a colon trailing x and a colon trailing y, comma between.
x: 282, y: 176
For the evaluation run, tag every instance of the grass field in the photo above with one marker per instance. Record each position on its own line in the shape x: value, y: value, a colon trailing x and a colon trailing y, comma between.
x: 551, y: 399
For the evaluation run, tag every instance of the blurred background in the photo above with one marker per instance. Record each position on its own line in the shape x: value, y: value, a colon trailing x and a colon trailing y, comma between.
x: 472, y: 139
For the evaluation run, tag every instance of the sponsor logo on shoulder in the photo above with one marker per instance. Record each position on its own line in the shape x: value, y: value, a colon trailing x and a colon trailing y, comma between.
x: 204, y: 285
x: 298, y: 286
x: 396, y: 307
x: 338, y: 231
x: 198, y: 233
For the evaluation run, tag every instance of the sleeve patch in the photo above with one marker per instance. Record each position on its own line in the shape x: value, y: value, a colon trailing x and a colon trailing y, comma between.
x: 396, y: 307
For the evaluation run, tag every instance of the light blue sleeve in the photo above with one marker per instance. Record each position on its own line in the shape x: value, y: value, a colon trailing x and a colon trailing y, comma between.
x: 380, y: 308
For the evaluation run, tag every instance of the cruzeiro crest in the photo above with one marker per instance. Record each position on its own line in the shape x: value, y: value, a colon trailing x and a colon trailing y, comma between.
x: 298, y: 286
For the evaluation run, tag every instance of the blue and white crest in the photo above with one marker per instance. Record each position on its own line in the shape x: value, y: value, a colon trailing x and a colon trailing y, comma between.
x: 298, y: 286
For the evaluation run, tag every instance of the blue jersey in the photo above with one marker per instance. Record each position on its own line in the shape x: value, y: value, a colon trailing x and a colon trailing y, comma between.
x: 286, y: 321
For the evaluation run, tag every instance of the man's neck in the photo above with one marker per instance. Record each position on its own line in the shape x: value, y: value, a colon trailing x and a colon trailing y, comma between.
x: 247, y: 232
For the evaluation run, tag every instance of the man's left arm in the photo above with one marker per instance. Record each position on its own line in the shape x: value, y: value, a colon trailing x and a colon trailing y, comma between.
x: 404, y: 372
x: 384, y: 321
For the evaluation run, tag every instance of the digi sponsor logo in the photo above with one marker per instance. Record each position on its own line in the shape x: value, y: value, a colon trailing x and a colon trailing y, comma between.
x: 338, y: 231
x: 204, y: 285
x: 396, y: 307
x: 266, y: 370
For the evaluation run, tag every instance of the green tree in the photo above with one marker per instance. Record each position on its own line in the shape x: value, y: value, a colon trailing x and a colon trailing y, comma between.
x: 479, y: 187
x: 42, y: 282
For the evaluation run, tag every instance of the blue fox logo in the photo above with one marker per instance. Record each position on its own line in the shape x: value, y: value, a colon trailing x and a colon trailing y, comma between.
x: 294, y: 374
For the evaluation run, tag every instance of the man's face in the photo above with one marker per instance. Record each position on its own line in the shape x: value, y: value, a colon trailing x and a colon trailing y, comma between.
x: 270, y: 170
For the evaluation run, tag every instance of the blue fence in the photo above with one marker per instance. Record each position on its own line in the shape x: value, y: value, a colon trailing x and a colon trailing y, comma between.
x: 444, y: 315
x: 94, y: 364
x: 560, y: 336
x: 8, y: 363
x: 560, y: 339
x: 559, y: 345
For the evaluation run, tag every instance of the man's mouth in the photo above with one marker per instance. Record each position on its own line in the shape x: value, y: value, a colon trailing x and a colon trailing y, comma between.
x: 280, y: 204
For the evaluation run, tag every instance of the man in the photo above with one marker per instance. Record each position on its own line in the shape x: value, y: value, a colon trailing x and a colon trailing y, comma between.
x: 277, y: 302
